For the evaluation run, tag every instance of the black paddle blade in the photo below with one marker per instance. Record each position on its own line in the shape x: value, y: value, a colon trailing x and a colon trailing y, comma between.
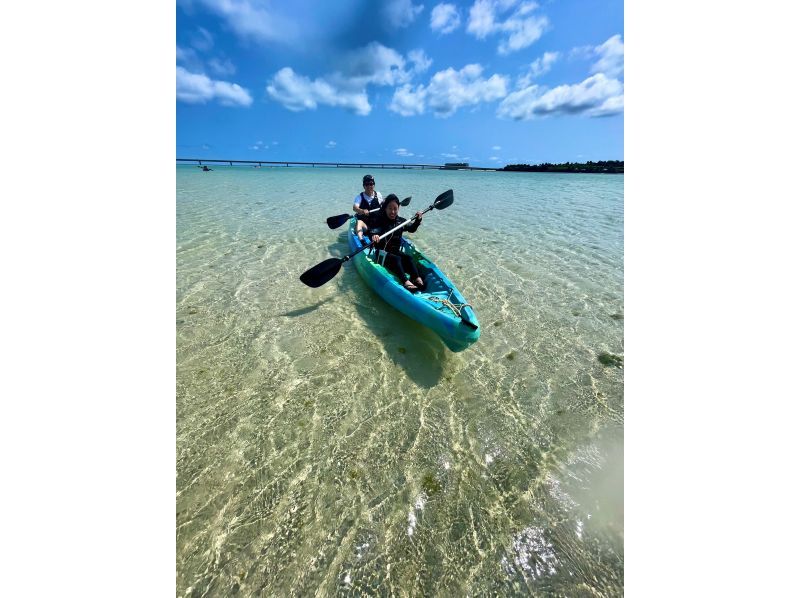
x: 321, y: 273
x: 406, y: 201
x: 445, y: 200
x: 337, y: 221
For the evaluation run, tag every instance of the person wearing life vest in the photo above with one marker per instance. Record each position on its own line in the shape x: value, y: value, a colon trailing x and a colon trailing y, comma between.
x: 367, y: 200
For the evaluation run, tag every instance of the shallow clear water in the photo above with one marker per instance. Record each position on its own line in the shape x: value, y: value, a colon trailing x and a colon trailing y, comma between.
x: 326, y: 443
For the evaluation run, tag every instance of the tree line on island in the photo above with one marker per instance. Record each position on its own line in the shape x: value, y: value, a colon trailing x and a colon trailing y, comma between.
x: 603, y: 167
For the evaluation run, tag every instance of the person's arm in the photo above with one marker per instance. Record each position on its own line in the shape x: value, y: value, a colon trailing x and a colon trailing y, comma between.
x: 413, y: 228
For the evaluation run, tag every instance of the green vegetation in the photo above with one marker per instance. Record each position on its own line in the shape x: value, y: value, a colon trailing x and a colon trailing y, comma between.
x: 602, y: 167
x: 431, y: 485
x: 609, y: 359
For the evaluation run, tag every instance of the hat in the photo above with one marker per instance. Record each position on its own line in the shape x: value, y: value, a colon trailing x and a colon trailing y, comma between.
x: 368, y: 179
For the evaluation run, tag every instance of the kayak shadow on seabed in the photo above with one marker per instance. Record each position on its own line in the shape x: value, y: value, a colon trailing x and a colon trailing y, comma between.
x: 410, y: 345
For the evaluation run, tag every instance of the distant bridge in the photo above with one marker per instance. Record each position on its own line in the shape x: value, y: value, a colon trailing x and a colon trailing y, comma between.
x: 289, y: 163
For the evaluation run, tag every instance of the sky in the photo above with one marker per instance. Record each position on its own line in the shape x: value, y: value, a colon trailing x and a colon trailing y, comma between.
x: 488, y: 82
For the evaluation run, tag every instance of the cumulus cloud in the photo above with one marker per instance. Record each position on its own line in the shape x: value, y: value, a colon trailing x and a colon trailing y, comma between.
x: 197, y: 88
x: 259, y: 145
x: 612, y: 57
x: 537, y: 68
x: 408, y: 101
x: 596, y: 96
x: 450, y: 155
x: 401, y: 151
x: 481, y: 19
x: 496, y: 148
x: 330, y: 145
x: 519, y: 29
x: 374, y: 64
x: 445, y: 18
x: 401, y: 13
x: 297, y: 92
x: 448, y: 91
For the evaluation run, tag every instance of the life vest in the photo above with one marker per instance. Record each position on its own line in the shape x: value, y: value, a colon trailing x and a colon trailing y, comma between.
x: 369, y: 203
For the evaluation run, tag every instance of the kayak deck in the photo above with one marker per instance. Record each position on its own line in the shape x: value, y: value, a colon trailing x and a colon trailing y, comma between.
x: 440, y: 306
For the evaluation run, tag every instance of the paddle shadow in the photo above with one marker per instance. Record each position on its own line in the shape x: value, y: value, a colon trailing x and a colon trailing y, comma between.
x: 305, y: 310
x: 413, y: 347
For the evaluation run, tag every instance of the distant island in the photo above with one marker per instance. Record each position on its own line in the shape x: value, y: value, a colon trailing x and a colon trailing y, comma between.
x: 603, y: 167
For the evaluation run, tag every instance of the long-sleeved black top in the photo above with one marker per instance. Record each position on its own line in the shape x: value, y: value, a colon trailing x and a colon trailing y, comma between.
x: 382, y: 224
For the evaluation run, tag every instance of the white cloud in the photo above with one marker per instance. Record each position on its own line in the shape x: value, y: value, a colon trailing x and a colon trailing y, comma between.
x: 401, y: 13
x: 612, y: 57
x: 445, y: 18
x: 481, y: 19
x: 330, y: 145
x: 202, y: 40
x: 186, y: 55
x: 538, y: 67
x: 613, y: 105
x: 374, y: 64
x: 222, y: 67
x: 494, y: 159
x: 596, y: 96
x: 259, y: 145
x: 450, y: 155
x: 451, y: 89
x: 250, y: 20
x: 496, y: 148
x: 581, y: 52
x: 401, y: 151
x: 378, y: 65
x: 297, y: 92
x: 408, y: 101
x: 521, y: 28
x: 420, y: 61
x: 197, y: 88
x: 448, y: 91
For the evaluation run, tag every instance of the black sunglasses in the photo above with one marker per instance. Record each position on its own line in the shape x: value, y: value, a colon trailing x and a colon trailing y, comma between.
x: 369, y: 183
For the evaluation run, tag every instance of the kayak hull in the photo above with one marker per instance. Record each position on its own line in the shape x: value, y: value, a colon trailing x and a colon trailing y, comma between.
x: 437, y: 308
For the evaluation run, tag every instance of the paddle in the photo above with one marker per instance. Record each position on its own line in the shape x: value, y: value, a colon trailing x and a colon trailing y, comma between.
x: 324, y: 271
x: 337, y: 221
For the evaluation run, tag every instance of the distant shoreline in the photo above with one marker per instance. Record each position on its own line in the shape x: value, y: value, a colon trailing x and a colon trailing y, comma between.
x: 602, y: 167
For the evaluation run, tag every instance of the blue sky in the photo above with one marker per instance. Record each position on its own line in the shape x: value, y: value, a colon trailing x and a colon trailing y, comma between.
x: 489, y: 82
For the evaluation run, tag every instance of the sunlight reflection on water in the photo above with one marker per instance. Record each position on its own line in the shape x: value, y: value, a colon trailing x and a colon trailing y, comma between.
x: 325, y: 442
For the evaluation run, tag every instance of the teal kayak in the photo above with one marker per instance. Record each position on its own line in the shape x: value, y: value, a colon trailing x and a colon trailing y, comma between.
x: 440, y: 307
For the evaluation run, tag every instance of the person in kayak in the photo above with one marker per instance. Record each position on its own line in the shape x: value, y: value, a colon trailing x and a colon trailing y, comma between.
x: 399, y: 263
x: 367, y: 200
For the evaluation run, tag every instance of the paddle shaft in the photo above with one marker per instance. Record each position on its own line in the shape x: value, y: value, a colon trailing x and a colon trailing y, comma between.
x: 386, y: 234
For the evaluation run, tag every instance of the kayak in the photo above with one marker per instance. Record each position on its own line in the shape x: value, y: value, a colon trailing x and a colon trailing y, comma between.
x: 440, y: 306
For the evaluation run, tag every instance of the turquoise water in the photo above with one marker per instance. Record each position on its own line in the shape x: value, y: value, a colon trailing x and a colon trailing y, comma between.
x: 326, y: 443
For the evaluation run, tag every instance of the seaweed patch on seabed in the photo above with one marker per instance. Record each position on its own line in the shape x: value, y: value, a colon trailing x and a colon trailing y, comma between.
x: 609, y: 359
